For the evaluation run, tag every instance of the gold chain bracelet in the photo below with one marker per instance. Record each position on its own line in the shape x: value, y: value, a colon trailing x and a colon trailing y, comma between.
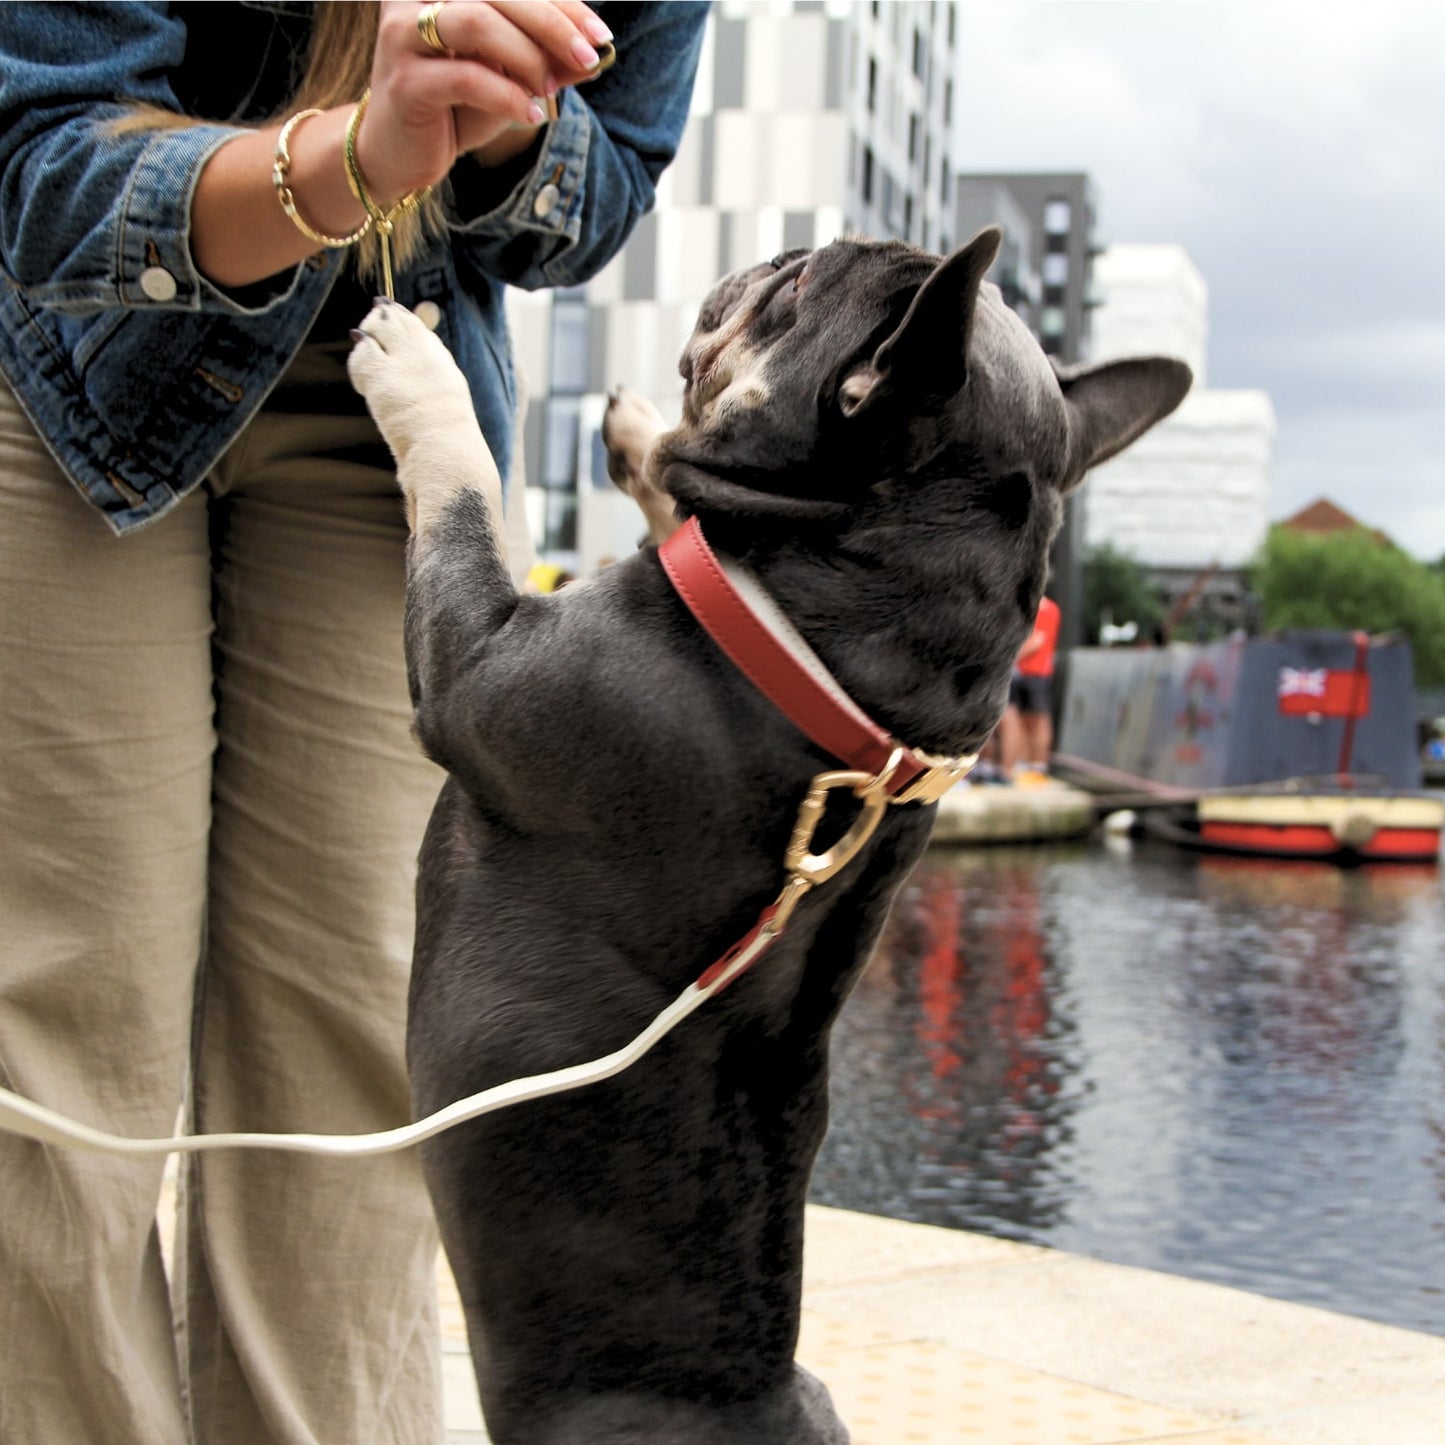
x: 385, y: 220
x: 281, y: 179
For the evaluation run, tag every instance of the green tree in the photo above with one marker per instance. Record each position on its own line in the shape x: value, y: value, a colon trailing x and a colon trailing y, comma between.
x: 1352, y: 580
x: 1115, y: 583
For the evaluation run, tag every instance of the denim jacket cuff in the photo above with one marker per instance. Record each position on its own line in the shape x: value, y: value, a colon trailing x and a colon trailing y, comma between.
x: 549, y: 198
x: 157, y: 271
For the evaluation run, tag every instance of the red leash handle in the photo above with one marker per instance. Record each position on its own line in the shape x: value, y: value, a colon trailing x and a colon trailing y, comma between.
x: 822, y: 712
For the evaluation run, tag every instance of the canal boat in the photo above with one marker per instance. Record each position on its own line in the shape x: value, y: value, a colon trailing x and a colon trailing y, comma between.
x: 1299, y: 745
x: 1432, y: 755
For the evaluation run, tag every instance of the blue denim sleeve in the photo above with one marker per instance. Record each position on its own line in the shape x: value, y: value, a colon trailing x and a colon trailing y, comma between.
x: 596, y: 173
x: 91, y: 219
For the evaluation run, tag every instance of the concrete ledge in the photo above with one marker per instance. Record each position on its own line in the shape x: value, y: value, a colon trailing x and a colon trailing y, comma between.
x: 983, y: 813
x: 1282, y: 1372
x: 941, y: 1337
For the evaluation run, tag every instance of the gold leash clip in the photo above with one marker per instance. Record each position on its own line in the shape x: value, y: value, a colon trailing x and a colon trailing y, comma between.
x: 872, y: 792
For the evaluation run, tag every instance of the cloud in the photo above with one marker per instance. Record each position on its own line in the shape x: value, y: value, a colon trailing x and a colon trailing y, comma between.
x: 1296, y: 150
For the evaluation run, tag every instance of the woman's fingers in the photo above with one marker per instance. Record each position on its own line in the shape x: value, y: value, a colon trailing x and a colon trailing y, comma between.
x: 497, y: 65
x: 541, y: 45
x: 463, y: 82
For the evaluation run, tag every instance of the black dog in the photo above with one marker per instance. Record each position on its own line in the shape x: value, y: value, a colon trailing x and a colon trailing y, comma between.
x: 883, y: 443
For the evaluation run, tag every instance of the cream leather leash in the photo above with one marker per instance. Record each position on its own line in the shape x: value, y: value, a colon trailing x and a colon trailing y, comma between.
x: 738, y: 614
x: 33, y: 1121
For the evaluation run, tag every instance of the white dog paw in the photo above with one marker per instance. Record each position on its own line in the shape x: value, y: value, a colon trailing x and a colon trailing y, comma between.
x: 412, y: 386
x: 421, y: 404
x: 630, y: 427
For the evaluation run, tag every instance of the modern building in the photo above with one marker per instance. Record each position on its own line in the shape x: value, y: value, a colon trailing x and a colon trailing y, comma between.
x: 1051, y: 240
x: 1190, y: 499
x: 808, y: 120
x: 987, y: 201
x: 899, y: 85
x: 1045, y: 272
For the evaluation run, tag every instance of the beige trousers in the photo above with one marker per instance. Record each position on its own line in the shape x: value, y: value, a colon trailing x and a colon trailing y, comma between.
x: 210, y: 808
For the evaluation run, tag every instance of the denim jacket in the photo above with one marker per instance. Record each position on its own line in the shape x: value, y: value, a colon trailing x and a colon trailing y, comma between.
x: 135, y: 369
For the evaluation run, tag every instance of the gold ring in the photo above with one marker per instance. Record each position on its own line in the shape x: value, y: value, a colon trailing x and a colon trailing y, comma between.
x: 426, y: 25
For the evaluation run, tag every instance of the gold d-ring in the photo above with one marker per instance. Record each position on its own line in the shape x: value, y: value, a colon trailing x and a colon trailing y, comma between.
x: 426, y: 25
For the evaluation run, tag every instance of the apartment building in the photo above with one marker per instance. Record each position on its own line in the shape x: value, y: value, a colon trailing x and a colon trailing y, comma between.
x: 809, y: 120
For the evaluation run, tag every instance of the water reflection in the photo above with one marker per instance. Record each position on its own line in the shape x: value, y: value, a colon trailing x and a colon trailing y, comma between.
x: 955, y: 1049
x: 1220, y: 1067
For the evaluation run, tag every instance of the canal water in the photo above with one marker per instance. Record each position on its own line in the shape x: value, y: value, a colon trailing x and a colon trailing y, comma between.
x: 1228, y: 1069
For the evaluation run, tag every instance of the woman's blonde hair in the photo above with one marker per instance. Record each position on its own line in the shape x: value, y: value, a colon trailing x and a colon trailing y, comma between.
x: 338, y: 68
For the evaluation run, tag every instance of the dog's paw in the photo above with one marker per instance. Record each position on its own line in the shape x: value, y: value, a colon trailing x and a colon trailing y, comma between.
x: 630, y: 426
x: 422, y: 405
x: 413, y: 387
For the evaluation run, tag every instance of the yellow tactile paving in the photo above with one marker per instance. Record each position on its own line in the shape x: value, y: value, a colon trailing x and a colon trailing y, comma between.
x: 918, y: 1392
x: 913, y: 1392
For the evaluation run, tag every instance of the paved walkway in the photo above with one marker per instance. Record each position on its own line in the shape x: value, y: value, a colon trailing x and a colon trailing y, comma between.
x: 935, y: 1337
x: 931, y: 1336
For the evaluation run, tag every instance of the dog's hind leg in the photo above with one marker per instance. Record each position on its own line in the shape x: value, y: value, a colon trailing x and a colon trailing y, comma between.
x: 799, y: 1412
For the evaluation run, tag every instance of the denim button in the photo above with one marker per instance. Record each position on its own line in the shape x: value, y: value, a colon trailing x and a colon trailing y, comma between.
x: 546, y: 201
x: 429, y: 314
x: 158, y: 283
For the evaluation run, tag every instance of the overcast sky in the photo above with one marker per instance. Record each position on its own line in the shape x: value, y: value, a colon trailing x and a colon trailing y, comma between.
x: 1297, y: 150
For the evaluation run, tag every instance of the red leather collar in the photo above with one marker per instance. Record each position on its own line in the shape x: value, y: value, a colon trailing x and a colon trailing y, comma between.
x: 780, y: 666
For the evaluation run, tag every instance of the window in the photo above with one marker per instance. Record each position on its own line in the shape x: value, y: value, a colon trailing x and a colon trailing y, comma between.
x: 908, y: 218
x: 948, y: 101
x: 1057, y: 216
x: 872, y: 85
x: 569, y: 344
x: 559, y: 521
x: 1051, y: 321
x: 912, y: 138
x: 559, y: 473
x: 920, y: 54
x: 1056, y: 268
x: 867, y: 175
x: 559, y: 444
x: 601, y: 482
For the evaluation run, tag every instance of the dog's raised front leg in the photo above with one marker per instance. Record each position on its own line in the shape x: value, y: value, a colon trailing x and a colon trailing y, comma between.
x: 458, y: 587
x: 629, y: 427
x: 419, y: 399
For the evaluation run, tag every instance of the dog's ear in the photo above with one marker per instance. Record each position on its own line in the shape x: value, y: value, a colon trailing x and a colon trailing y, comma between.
x: 1113, y: 403
x: 926, y: 358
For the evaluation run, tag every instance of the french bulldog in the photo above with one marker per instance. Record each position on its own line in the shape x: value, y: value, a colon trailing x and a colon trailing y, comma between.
x: 882, y: 442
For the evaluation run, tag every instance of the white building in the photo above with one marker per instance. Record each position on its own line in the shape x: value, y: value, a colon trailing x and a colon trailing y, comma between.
x: 808, y: 120
x: 1189, y: 500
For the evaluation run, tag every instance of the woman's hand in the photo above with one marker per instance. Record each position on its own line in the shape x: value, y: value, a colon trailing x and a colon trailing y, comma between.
x: 429, y: 106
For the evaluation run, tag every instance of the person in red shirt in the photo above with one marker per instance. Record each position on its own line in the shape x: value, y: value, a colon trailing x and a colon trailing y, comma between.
x: 1026, y: 732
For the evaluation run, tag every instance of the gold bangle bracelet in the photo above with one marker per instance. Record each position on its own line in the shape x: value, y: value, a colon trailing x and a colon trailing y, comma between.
x: 385, y: 220
x: 281, y: 179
